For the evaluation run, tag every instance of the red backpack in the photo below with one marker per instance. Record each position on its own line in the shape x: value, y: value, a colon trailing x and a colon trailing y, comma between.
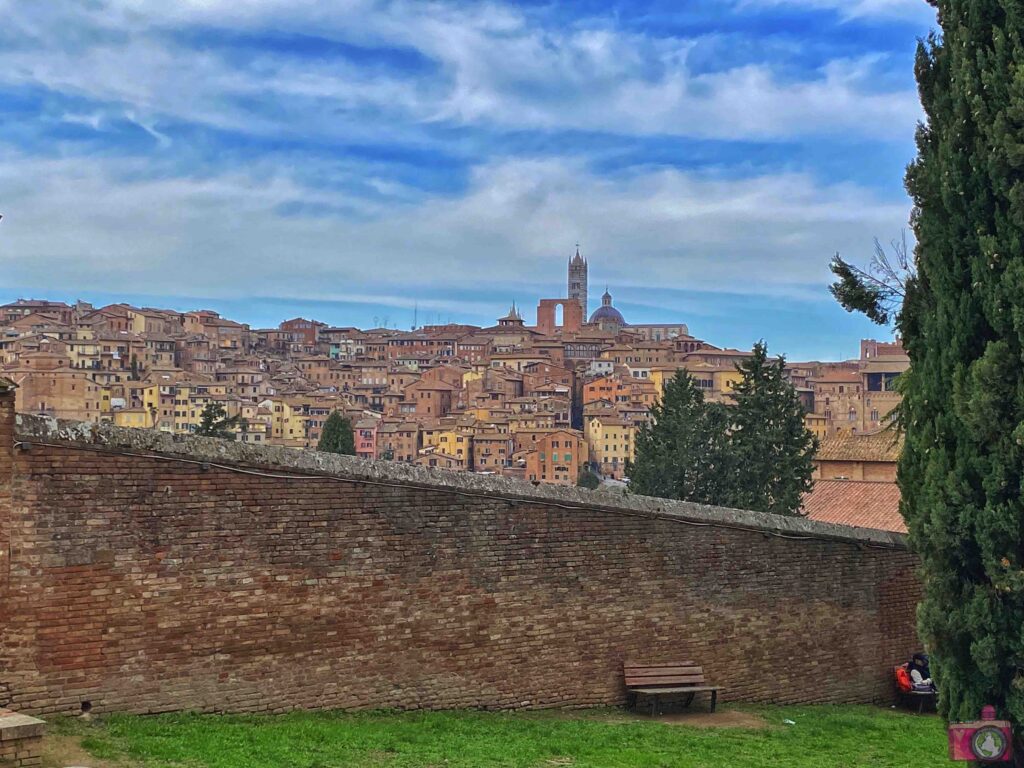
x: 903, y: 680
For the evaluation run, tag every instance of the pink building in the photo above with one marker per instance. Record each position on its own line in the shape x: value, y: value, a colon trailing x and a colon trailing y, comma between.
x: 366, y: 438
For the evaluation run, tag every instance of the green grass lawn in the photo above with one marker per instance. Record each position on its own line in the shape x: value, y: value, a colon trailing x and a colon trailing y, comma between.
x: 823, y: 736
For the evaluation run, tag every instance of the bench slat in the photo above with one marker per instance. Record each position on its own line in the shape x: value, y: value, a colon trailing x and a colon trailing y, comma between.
x: 632, y: 682
x: 679, y: 669
x: 680, y: 689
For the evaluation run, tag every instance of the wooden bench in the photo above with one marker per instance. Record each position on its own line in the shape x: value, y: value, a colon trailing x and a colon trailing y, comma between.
x: 674, y: 677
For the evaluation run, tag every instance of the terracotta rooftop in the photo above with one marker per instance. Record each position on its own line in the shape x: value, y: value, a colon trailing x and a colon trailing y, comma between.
x: 856, y: 503
x: 881, y: 446
x: 837, y: 377
x: 713, y: 352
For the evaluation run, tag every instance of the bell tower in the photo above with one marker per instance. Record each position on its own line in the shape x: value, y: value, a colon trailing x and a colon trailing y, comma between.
x: 578, y: 280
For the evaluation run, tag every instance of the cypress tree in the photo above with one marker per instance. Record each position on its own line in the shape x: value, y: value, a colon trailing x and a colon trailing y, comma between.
x: 337, y: 435
x: 768, y: 441
x: 681, y: 453
x: 963, y: 327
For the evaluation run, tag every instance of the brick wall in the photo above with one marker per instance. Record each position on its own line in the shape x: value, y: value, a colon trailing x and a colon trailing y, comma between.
x: 6, y: 480
x: 21, y: 740
x: 152, y: 582
x: 873, y: 471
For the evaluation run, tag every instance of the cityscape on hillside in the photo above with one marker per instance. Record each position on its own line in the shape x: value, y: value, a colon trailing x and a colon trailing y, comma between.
x: 541, y: 401
x: 511, y: 384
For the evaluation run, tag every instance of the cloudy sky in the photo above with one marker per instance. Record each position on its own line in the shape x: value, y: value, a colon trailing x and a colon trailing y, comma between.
x: 354, y: 160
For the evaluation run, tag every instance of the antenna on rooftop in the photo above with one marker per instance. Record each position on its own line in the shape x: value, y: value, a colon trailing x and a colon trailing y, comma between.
x: 415, y: 314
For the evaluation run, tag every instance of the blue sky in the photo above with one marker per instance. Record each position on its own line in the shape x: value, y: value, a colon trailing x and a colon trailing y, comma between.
x: 353, y: 160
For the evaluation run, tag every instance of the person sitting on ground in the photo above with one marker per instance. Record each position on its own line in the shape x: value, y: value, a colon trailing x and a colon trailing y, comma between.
x: 920, y: 675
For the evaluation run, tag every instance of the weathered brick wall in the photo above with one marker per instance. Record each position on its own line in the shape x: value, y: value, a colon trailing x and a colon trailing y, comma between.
x: 146, y: 583
x: 6, y: 480
x: 21, y: 740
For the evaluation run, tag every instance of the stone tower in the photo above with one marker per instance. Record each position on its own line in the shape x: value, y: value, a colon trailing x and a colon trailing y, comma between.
x: 578, y: 280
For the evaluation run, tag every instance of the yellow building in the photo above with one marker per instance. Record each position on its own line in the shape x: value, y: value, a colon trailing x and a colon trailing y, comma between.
x: 612, y: 443
x: 717, y: 382
x: 288, y: 422
x: 452, y: 442
x: 478, y: 412
x: 84, y: 350
x: 189, y: 401
x: 134, y: 418
x: 816, y: 424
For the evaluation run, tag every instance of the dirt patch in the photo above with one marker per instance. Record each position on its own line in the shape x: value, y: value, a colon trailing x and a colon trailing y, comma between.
x: 65, y: 750
x: 727, y: 718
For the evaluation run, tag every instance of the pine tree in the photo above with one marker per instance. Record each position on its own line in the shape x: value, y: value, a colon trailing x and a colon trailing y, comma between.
x: 963, y: 326
x: 215, y: 422
x: 753, y: 455
x: 681, y: 453
x: 337, y: 435
x: 768, y: 442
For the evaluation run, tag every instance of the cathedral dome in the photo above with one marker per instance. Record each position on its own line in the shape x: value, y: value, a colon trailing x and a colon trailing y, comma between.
x: 606, y: 314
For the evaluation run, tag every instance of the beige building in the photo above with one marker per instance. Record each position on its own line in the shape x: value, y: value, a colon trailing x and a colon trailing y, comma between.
x: 611, y: 441
x: 870, y: 458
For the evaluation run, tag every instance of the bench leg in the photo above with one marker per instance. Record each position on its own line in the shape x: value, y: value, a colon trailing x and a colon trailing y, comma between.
x: 714, y: 700
x: 630, y: 701
x: 920, y: 704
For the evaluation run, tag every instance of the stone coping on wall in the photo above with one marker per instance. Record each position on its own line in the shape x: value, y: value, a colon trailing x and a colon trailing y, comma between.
x: 15, y: 726
x: 278, y: 459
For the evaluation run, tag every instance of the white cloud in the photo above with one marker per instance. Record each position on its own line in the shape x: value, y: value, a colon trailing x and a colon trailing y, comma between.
x: 917, y: 10
x: 76, y: 225
x: 494, y: 67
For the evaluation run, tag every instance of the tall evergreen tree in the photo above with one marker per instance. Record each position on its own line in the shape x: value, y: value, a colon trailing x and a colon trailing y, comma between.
x: 337, y: 435
x: 768, y: 441
x: 681, y: 453
x: 963, y: 327
x: 753, y: 455
x: 215, y: 422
